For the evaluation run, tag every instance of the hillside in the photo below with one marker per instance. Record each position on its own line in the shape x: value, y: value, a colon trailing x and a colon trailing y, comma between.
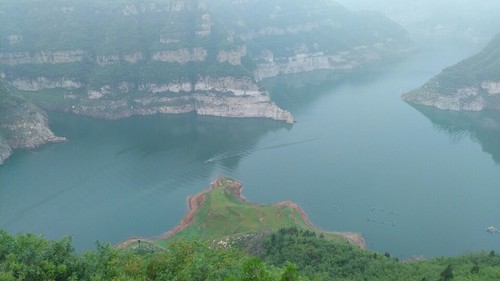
x: 470, y: 85
x: 22, y: 124
x: 118, y: 58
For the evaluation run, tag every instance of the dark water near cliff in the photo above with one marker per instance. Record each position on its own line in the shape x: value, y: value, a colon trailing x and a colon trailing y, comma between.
x: 357, y: 149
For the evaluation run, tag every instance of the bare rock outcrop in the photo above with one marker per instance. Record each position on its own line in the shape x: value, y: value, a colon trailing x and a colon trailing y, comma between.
x: 22, y: 125
x: 221, y: 96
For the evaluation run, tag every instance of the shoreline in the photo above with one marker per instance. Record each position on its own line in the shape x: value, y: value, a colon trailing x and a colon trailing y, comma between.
x: 195, y: 202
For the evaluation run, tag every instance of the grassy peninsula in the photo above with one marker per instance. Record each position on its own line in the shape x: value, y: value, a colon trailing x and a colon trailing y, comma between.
x: 221, y: 215
x: 222, y: 212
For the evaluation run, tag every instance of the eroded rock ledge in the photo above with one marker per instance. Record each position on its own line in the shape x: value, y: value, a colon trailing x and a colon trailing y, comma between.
x: 22, y: 126
x: 222, y: 96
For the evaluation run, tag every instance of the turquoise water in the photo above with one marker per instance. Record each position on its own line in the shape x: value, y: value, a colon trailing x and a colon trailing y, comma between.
x: 356, y: 150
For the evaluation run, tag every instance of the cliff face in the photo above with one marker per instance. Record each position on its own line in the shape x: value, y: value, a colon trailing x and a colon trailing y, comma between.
x: 120, y: 58
x: 470, y: 85
x: 5, y: 150
x: 342, y: 61
x: 223, y: 96
x: 22, y: 125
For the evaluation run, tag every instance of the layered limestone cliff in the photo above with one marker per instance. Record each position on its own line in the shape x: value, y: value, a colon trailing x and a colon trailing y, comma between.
x: 470, y: 85
x: 181, y: 56
x: 222, y: 96
x: 232, y: 57
x: 307, y: 62
x: 42, y: 83
x: 43, y: 57
x: 467, y: 99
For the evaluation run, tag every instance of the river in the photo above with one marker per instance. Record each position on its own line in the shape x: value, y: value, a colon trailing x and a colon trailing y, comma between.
x: 414, y: 181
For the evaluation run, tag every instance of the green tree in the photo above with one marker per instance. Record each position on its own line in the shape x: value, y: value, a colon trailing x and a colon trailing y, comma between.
x: 475, y: 269
x: 102, y: 264
x: 447, y: 273
x: 290, y: 273
x: 253, y: 270
x: 31, y: 257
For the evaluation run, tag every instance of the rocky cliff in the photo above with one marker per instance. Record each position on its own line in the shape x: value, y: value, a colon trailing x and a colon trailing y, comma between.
x: 470, y: 85
x: 222, y: 96
x: 22, y: 125
x: 120, y: 58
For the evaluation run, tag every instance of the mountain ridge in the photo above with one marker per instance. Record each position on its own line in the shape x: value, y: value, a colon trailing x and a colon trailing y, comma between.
x: 133, y: 58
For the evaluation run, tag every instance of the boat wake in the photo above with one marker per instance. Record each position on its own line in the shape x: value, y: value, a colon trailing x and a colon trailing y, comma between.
x: 246, y: 151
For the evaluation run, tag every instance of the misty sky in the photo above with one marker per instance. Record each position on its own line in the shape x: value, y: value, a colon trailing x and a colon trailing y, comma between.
x: 474, y: 20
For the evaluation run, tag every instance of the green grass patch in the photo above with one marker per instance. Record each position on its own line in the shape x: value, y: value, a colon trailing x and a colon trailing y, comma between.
x: 223, y: 214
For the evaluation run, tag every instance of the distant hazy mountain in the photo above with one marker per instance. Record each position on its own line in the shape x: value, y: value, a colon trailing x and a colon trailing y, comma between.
x: 472, y: 84
x: 113, y: 59
x: 461, y: 20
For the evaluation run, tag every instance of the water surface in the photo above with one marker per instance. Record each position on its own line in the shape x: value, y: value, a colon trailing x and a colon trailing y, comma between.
x: 356, y: 148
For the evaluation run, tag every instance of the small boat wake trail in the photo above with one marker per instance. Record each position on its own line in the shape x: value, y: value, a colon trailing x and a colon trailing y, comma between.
x: 43, y: 201
x: 247, y: 151
x: 19, y: 214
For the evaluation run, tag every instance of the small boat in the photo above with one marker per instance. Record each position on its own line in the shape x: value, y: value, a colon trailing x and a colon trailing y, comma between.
x: 491, y: 229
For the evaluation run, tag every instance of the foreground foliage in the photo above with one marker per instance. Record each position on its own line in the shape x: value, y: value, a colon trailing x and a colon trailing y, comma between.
x: 322, y: 259
x: 31, y: 257
x: 289, y: 254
